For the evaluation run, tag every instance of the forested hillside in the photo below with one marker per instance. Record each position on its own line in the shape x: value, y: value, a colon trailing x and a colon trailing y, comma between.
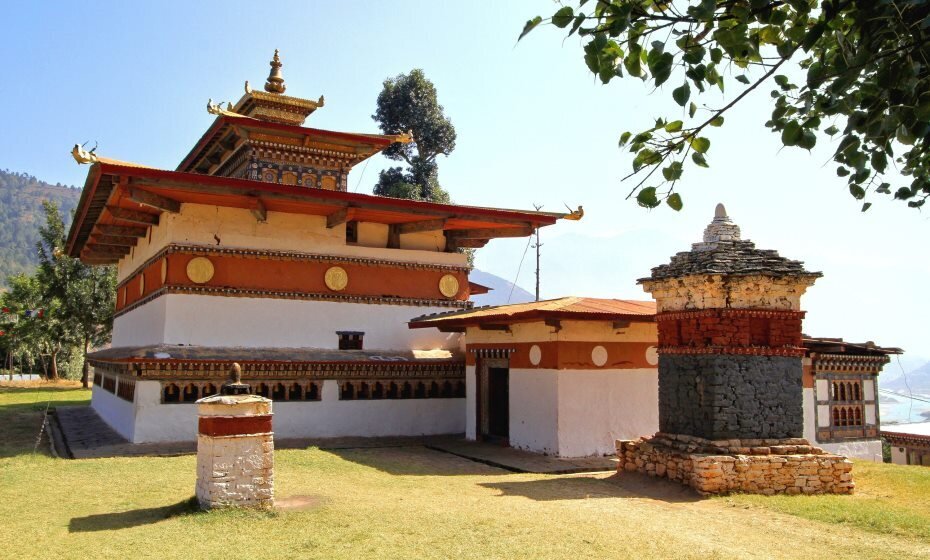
x: 21, y: 197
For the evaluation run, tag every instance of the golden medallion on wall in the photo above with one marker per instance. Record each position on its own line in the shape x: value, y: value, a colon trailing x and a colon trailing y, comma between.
x: 164, y: 270
x: 336, y: 278
x: 200, y: 270
x: 449, y: 285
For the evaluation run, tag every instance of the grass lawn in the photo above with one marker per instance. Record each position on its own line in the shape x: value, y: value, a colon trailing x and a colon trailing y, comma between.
x: 416, y: 503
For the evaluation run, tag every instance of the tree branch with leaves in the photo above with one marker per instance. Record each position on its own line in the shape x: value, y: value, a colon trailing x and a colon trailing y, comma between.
x: 867, y: 67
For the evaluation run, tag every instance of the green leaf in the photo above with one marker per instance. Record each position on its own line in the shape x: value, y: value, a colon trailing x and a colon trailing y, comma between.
x: 681, y: 94
x: 716, y: 121
x: 674, y: 201
x: 857, y: 191
x: 530, y: 25
x: 672, y: 172
x: 808, y: 140
x: 625, y: 137
x: 660, y: 65
x: 647, y: 197
x: 791, y: 134
x: 699, y: 159
x: 782, y: 81
x: 742, y: 79
x: 692, y: 109
x: 563, y: 17
x: 866, y: 206
x: 879, y: 161
x: 578, y: 21
x: 841, y: 171
x: 674, y: 126
x: 831, y: 130
x: 700, y: 145
x: 716, y: 55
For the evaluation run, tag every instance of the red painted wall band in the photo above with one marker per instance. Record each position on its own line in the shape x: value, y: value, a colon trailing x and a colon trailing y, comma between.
x: 216, y: 426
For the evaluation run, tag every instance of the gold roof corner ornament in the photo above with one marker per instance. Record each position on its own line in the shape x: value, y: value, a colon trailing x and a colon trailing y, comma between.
x: 248, y: 88
x: 275, y: 81
x: 84, y: 156
x: 217, y: 109
x: 404, y: 137
x: 321, y: 101
x: 574, y: 214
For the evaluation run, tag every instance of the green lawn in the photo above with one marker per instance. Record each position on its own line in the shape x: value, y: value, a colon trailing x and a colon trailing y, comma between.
x: 415, y: 503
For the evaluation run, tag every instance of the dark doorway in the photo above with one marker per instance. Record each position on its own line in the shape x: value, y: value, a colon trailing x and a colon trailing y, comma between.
x: 498, y: 402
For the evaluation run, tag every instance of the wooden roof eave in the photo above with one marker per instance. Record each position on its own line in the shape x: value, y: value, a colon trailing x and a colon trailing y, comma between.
x: 532, y: 316
x: 512, y: 223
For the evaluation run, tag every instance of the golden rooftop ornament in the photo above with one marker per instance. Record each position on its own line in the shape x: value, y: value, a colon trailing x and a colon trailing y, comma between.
x: 84, y: 156
x: 275, y: 82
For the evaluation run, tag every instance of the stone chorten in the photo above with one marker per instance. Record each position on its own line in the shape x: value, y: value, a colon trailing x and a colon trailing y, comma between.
x: 730, y: 393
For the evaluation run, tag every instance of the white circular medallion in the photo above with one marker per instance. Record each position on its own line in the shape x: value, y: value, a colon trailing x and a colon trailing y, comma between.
x: 652, y: 355
x: 599, y: 356
x: 535, y: 355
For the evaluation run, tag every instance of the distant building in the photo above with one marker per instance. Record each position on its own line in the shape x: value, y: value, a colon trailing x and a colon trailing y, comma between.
x: 841, y: 412
x: 910, y: 443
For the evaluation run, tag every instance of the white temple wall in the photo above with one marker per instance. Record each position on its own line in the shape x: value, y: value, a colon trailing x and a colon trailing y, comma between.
x: 203, y: 320
x: 116, y: 412
x: 868, y: 450
x: 534, y: 407
x: 898, y: 455
x: 197, y: 224
x: 596, y: 408
x: 328, y: 417
x: 143, y: 325
x: 471, y: 394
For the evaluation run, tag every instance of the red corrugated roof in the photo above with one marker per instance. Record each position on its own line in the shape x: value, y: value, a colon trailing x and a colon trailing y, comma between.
x: 579, y: 308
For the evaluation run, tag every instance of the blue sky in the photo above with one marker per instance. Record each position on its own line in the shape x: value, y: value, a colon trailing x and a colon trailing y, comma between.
x: 533, y: 124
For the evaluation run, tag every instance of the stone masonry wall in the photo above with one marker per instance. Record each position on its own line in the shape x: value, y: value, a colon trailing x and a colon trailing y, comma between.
x: 797, y: 472
x: 722, y: 396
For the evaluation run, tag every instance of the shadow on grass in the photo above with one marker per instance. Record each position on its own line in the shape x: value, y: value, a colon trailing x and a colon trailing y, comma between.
x: 626, y: 485
x: 414, y: 460
x: 131, y: 518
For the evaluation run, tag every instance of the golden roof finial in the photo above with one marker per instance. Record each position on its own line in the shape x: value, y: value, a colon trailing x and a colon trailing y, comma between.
x: 275, y: 82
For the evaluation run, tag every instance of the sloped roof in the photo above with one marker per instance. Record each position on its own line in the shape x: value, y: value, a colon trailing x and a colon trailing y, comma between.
x: 578, y: 308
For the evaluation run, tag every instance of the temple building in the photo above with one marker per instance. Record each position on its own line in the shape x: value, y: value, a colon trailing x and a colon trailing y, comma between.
x: 252, y: 251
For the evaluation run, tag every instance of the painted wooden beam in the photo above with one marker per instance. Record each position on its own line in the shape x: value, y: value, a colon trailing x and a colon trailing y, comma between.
x: 107, y: 229
x: 132, y: 216
x: 393, y: 240
x: 259, y: 210
x: 113, y: 240
x: 421, y: 226
x: 104, y: 251
x: 489, y: 233
x: 339, y: 217
x: 153, y: 200
x: 469, y: 243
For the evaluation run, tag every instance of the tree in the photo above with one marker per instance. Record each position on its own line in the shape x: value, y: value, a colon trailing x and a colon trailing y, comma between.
x: 408, y: 103
x: 866, y: 68
x: 81, y: 296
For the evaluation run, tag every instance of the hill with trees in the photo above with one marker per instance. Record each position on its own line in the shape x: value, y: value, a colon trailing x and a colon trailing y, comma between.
x: 21, y: 215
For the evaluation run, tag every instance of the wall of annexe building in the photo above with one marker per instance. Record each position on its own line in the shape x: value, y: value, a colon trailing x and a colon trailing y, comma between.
x: 568, y: 403
x: 146, y: 419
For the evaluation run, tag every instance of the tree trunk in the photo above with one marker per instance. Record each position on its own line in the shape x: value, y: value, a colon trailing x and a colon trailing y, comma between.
x: 85, y: 369
x: 53, y: 374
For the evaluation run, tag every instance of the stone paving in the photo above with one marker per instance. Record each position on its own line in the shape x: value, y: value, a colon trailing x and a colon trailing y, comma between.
x: 79, y: 433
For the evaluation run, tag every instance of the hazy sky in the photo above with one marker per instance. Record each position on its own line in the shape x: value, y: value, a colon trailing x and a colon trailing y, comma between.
x: 533, y: 124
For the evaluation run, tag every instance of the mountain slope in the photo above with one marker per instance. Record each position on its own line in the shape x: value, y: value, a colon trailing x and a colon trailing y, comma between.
x: 21, y: 198
x: 500, y: 290
x: 917, y: 381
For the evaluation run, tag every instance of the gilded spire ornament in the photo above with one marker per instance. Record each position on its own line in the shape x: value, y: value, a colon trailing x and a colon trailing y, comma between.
x: 275, y: 82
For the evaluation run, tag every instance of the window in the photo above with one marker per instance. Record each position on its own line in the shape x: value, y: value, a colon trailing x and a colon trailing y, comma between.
x: 350, y: 340
x: 351, y: 231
